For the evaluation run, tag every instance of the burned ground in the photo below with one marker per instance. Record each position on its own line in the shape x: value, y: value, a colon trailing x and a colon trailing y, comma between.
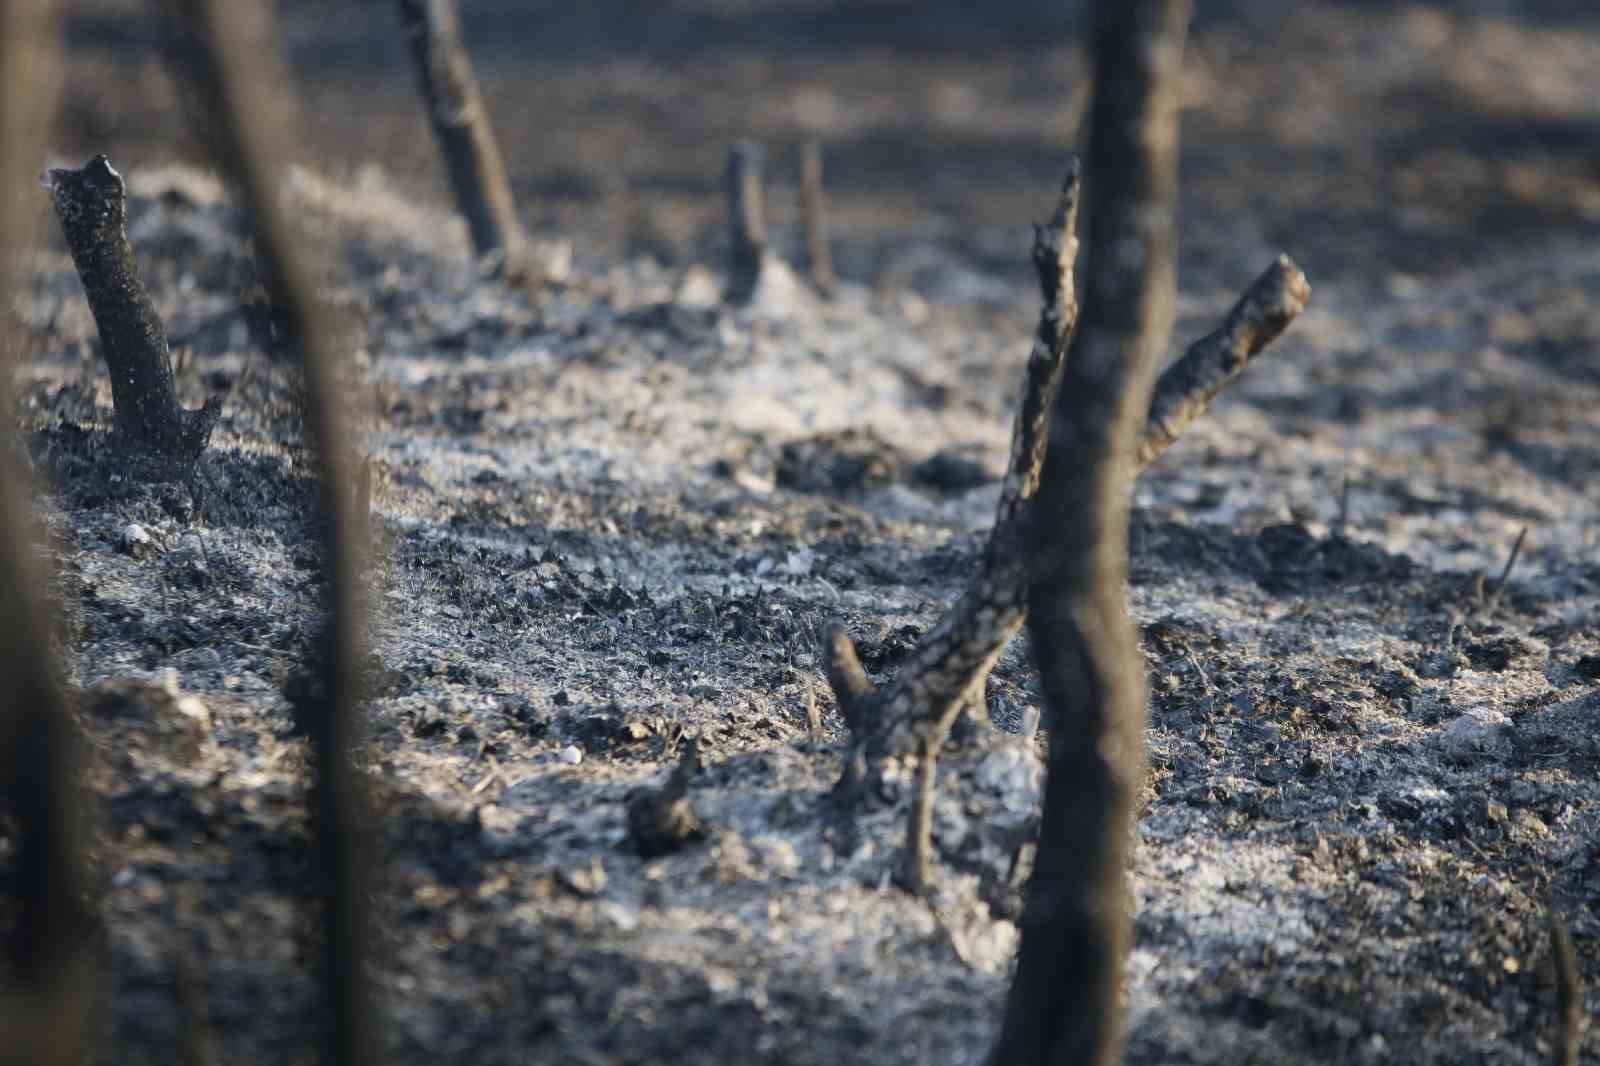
x: 607, y: 518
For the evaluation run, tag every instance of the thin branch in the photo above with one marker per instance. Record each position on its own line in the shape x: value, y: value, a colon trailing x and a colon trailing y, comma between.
x: 950, y: 665
x: 1188, y: 386
x: 461, y: 126
x: 1064, y: 1005
x: 814, y: 217
x: 847, y: 678
x: 238, y: 48
x: 1569, y: 996
x: 1492, y: 601
x: 44, y: 1017
x: 92, y: 206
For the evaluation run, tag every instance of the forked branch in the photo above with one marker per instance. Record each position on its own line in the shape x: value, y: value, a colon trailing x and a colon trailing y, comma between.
x: 949, y: 667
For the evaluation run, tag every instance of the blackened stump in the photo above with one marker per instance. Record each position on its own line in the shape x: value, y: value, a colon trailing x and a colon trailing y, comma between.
x: 747, y: 222
x: 92, y: 206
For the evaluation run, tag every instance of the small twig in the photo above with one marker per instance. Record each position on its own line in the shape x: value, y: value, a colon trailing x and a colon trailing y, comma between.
x: 814, y: 216
x: 1342, y: 520
x: 1493, y: 599
x: 847, y: 677
x: 1569, y: 995
x: 92, y: 206
x: 747, y: 223
x: 1187, y: 387
x: 813, y: 715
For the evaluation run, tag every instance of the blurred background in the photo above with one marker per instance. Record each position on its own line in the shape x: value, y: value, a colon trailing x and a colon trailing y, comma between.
x: 1370, y: 139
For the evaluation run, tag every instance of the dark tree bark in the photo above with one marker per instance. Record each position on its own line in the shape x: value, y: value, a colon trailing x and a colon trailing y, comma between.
x: 239, y: 52
x: 814, y: 215
x: 92, y: 205
x: 44, y: 1006
x: 747, y: 221
x: 461, y: 126
x: 1065, y: 1002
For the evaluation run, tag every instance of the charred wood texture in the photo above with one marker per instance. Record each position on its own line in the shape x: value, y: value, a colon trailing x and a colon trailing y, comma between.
x: 1186, y: 388
x: 1065, y: 1001
x: 92, y: 206
x: 238, y: 54
x: 913, y: 715
x: 950, y: 665
x: 461, y: 125
x: 45, y: 972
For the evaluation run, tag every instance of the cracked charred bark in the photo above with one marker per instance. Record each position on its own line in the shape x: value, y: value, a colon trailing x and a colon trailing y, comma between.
x: 45, y: 981
x: 911, y: 717
x: 239, y: 55
x: 92, y: 206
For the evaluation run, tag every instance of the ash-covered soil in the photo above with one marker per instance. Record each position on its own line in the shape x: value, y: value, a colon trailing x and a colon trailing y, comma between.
x: 611, y: 515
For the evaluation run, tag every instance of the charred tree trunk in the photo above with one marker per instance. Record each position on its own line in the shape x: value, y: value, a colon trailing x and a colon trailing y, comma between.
x: 239, y: 55
x: 1065, y: 1002
x: 45, y: 975
x: 92, y: 205
x: 461, y: 126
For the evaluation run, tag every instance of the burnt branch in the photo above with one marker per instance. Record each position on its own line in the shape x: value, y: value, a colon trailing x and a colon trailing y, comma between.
x: 1569, y: 996
x: 949, y: 668
x: 461, y: 126
x: 1065, y: 1001
x: 855, y: 694
x: 747, y: 221
x: 92, y: 206
x: 240, y: 56
x: 950, y: 665
x: 45, y: 1004
x: 814, y: 218
x: 1186, y: 389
